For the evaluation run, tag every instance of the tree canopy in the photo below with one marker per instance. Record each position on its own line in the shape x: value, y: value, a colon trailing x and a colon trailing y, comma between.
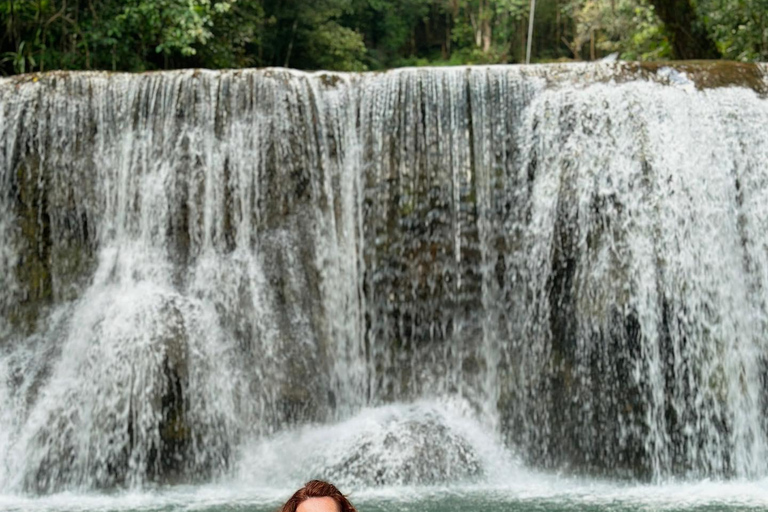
x: 138, y: 35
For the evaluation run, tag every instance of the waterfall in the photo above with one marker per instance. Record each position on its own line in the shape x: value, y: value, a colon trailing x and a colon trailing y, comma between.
x: 194, y: 260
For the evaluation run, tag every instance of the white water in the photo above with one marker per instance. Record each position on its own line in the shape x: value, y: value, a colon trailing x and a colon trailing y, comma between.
x: 273, y: 468
x: 219, y: 264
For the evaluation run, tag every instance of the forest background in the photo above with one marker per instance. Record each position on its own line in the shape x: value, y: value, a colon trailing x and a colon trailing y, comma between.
x: 357, y: 35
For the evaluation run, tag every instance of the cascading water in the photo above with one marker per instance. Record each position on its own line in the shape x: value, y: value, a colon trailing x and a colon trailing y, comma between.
x: 196, y: 261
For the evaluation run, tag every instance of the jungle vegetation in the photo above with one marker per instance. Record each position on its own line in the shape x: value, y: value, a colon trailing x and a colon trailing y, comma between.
x: 139, y: 35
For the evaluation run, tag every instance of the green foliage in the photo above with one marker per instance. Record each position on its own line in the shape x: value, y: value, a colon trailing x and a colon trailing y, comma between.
x: 392, y: 23
x: 627, y: 27
x: 336, y: 47
x: 120, y: 35
x: 138, y: 35
x: 739, y: 27
x: 20, y: 60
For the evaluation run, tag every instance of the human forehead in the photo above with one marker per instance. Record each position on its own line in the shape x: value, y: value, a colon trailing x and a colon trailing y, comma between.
x: 324, y: 504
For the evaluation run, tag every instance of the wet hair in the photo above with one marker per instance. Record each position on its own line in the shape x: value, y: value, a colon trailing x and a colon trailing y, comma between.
x: 317, y: 489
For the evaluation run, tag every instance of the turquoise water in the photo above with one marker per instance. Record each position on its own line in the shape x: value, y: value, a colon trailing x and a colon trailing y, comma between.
x: 529, y: 493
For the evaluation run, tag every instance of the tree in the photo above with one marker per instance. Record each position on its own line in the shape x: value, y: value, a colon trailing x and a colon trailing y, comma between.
x: 689, y: 37
x: 131, y: 35
x: 740, y: 28
x: 138, y: 35
x: 627, y: 27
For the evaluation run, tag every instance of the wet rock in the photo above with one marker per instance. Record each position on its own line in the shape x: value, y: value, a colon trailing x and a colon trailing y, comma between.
x: 54, y: 244
x: 407, y: 451
x: 134, y: 413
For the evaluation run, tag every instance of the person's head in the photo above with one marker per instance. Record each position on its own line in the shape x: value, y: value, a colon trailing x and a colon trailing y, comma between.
x: 318, y: 496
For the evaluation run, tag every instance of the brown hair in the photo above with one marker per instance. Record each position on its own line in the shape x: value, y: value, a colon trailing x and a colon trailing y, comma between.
x: 318, y: 489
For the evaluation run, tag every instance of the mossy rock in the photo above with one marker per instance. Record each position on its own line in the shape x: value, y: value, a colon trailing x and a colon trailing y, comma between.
x: 712, y: 74
x: 33, y: 270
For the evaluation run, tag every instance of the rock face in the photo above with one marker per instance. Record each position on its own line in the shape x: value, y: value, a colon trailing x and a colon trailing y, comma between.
x: 192, y: 259
x: 117, y: 407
